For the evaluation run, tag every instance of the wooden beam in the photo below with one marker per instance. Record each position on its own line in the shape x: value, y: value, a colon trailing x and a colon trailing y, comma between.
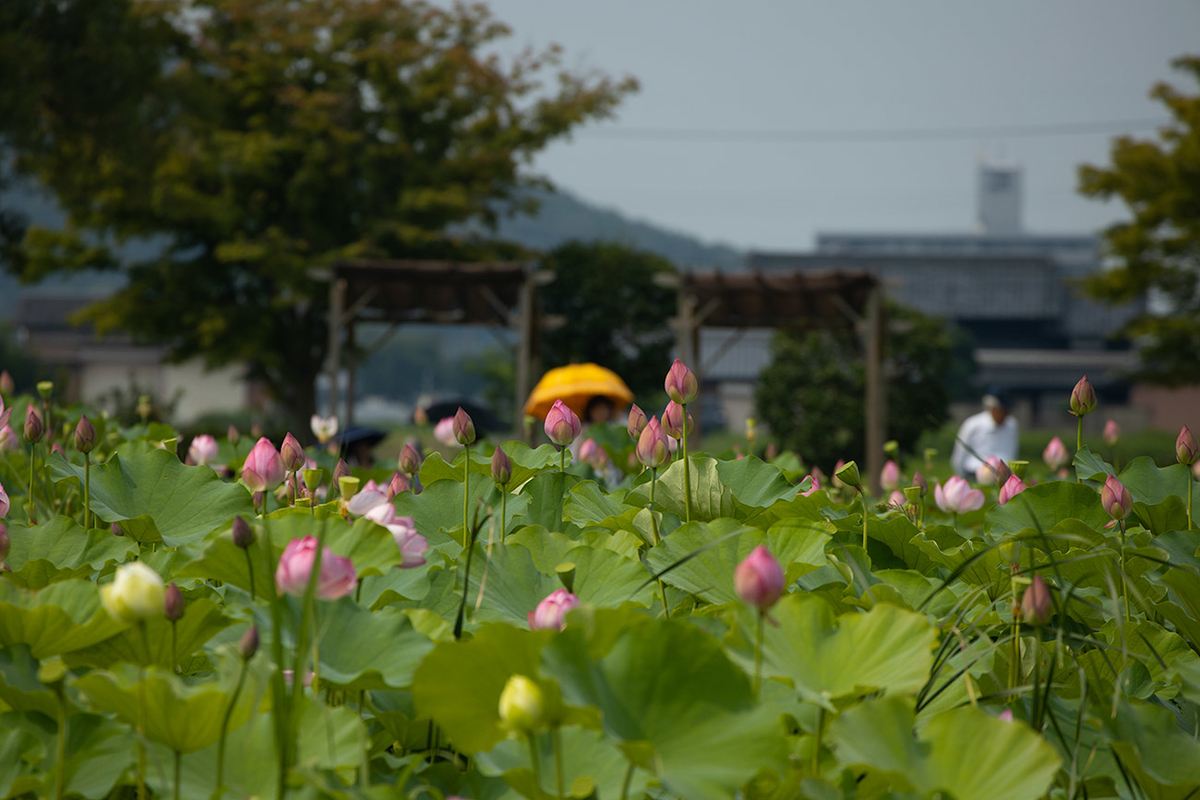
x: 876, y: 406
x: 337, y: 299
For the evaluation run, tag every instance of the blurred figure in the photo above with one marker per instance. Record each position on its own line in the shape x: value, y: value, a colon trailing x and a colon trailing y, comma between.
x: 599, y: 409
x: 991, y: 432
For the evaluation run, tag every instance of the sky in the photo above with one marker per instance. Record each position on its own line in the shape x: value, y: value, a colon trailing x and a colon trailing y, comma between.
x: 770, y: 66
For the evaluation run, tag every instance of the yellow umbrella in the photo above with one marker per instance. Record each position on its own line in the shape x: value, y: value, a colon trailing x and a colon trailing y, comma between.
x: 576, y: 385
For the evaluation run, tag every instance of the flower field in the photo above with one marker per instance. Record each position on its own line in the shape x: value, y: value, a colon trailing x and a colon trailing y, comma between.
x: 642, y: 620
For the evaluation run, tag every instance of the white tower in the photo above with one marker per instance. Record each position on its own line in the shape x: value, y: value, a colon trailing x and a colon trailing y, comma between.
x: 999, y: 198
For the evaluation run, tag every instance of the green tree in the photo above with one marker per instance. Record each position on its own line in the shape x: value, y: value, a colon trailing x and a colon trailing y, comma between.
x: 276, y: 136
x: 1158, y: 247
x: 615, y: 314
x: 811, y: 395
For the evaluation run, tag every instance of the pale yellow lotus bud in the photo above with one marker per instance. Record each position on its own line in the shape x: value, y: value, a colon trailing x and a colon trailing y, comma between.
x: 137, y: 593
x: 522, y: 706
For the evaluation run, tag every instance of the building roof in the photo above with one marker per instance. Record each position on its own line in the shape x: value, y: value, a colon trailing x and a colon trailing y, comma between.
x: 778, y: 299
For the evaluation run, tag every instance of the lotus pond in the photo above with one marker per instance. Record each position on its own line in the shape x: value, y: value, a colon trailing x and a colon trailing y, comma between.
x: 702, y: 628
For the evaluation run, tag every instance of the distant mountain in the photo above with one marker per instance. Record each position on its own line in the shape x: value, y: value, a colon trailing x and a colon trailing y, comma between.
x: 563, y: 217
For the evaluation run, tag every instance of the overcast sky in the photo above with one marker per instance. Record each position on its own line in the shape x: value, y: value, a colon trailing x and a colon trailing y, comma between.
x: 860, y: 66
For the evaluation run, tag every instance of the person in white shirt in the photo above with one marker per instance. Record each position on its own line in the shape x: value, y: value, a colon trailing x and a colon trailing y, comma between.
x: 991, y: 432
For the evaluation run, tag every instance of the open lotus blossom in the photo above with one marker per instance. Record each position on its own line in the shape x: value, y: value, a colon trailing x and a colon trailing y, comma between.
x: 957, y: 496
x: 202, y: 450
x: 889, y: 476
x: 1011, y: 488
x: 372, y: 503
x: 337, y: 578
x: 551, y: 613
x: 8, y: 438
x: 324, y: 428
x: 444, y: 431
x: 5, y: 413
x: 263, y: 469
x: 814, y: 485
x: 4, y: 502
x: 1055, y: 455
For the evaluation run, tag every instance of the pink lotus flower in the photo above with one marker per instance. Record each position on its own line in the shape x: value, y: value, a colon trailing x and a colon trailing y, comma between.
x: 562, y: 424
x: 292, y: 453
x: 463, y: 427
x: 551, y: 613
x: 987, y: 472
x: 324, y: 428
x: 411, y: 544
x: 409, y: 461
x: 371, y: 503
x: 889, y: 476
x: 897, y: 499
x: 1112, y: 433
x: 1005, y: 715
x: 1115, y: 498
x: 759, y: 580
x: 637, y: 422
x: 681, y: 383
x: 398, y: 484
x: 673, y: 421
x: 8, y: 438
x: 1055, y: 455
x: 337, y: 578
x: 1186, y: 448
x: 4, y: 412
x: 263, y: 469
x: 652, y: 448
x: 814, y: 485
x: 1011, y: 488
x: 592, y: 453
x: 4, y: 503
x: 444, y: 432
x: 501, y: 467
x: 202, y: 450
x: 1083, y: 397
x: 957, y: 496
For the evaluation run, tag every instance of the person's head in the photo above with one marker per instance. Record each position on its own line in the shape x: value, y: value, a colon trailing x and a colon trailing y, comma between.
x: 598, y: 409
x: 999, y: 403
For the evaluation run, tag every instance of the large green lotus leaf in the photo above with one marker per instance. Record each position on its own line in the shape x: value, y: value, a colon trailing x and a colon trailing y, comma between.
x: 547, y: 493
x: 63, y: 617
x: 184, y: 718
x: 23, y: 745
x: 588, y: 757
x: 1161, y: 653
x: 438, y: 510
x: 675, y: 704
x: 20, y: 687
x: 588, y: 504
x: 397, y: 586
x: 370, y: 546
x: 900, y: 536
x: 1044, y: 506
x: 828, y: 658
x: 797, y: 507
x: 1160, y: 494
x: 202, y: 619
x: 458, y: 684
x: 707, y: 554
x: 526, y: 462
x: 711, y: 499
x: 1163, y: 761
x: 1091, y: 467
x: 157, y: 498
x: 364, y: 650
x: 98, y: 752
x: 61, y: 549
x: 965, y: 752
x: 755, y: 483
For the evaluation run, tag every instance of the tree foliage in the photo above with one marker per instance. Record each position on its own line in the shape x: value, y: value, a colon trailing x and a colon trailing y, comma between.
x: 259, y: 139
x: 812, y: 394
x: 615, y: 314
x: 1158, y: 247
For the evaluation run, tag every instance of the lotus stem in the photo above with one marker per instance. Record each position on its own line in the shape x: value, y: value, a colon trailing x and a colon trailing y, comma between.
x: 758, y: 647
x: 178, y: 758
x: 1124, y: 589
x: 1078, y: 442
x: 1190, y: 488
x: 141, y: 719
x: 862, y: 495
x: 653, y: 521
x: 237, y: 690
x: 87, y: 491
x: 250, y: 569
x: 628, y: 780
x: 61, y: 748
x: 816, y: 754
x: 558, y: 761
x: 466, y: 488
x: 536, y: 763
x: 687, y: 474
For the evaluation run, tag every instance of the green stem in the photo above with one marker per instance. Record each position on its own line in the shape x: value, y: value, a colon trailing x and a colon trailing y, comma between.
x: 280, y: 711
x: 237, y: 690
x: 250, y: 569
x: 87, y: 492
x: 816, y: 754
x: 758, y: 647
x: 628, y: 780
x: 536, y: 763
x: 308, y: 607
x: 558, y: 762
x: 1190, y: 488
x: 1078, y: 441
x: 466, y: 489
x: 32, y: 502
x: 562, y: 458
x: 178, y: 758
x: 653, y: 521
x: 174, y: 648
x: 141, y: 726
x: 687, y: 475
x: 863, y: 497
x: 503, y: 509
x: 1124, y: 590
x: 61, y: 750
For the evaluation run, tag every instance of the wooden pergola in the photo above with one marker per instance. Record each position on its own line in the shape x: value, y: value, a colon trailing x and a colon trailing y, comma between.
x: 799, y: 299
x: 397, y: 292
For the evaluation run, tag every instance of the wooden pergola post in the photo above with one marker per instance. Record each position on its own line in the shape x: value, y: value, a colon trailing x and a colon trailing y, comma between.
x: 525, y: 345
x: 337, y: 302
x: 876, y: 405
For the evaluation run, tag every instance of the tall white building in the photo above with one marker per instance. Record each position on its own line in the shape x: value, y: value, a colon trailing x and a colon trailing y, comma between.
x: 998, y: 198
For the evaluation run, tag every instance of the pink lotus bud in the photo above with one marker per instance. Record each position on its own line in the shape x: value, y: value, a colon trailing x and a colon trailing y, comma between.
x: 58, y: 448
x: 398, y: 485
x: 337, y: 578
x: 34, y: 427
x: 116, y: 530
x: 1011, y: 488
x: 340, y: 470
x: 248, y: 644
x: 1112, y: 433
x: 501, y: 467
x: 464, y: 428
x: 263, y: 469
x: 889, y: 476
x: 173, y: 603
x: 202, y: 450
x: 673, y: 421
x: 324, y: 428
x: 897, y: 499
x: 1055, y: 455
x: 5, y: 504
x: 243, y: 534
x: 957, y: 496
x: 1186, y: 448
x: 8, y: 438
x: 592, y: 453
x: 292, y: 453
x: 551, y: 613
x: 988, y: 472
x: 1083, y: 398
x: 652, y: 448
x: 410, y: 460
x: 7, y: 385
x: 5, y: 542
x: 411, y: 544
x: 233, y: 436
x: 256, y: 431
x: 1036, y: 606
x: 1115, y: 498
x: 444, y: 432
x: 562, y: 424
x: 1005, y: 715
x: 637, y: 422
x: 759, y: 579
x: 920, y: 482
x: 681, y: 384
